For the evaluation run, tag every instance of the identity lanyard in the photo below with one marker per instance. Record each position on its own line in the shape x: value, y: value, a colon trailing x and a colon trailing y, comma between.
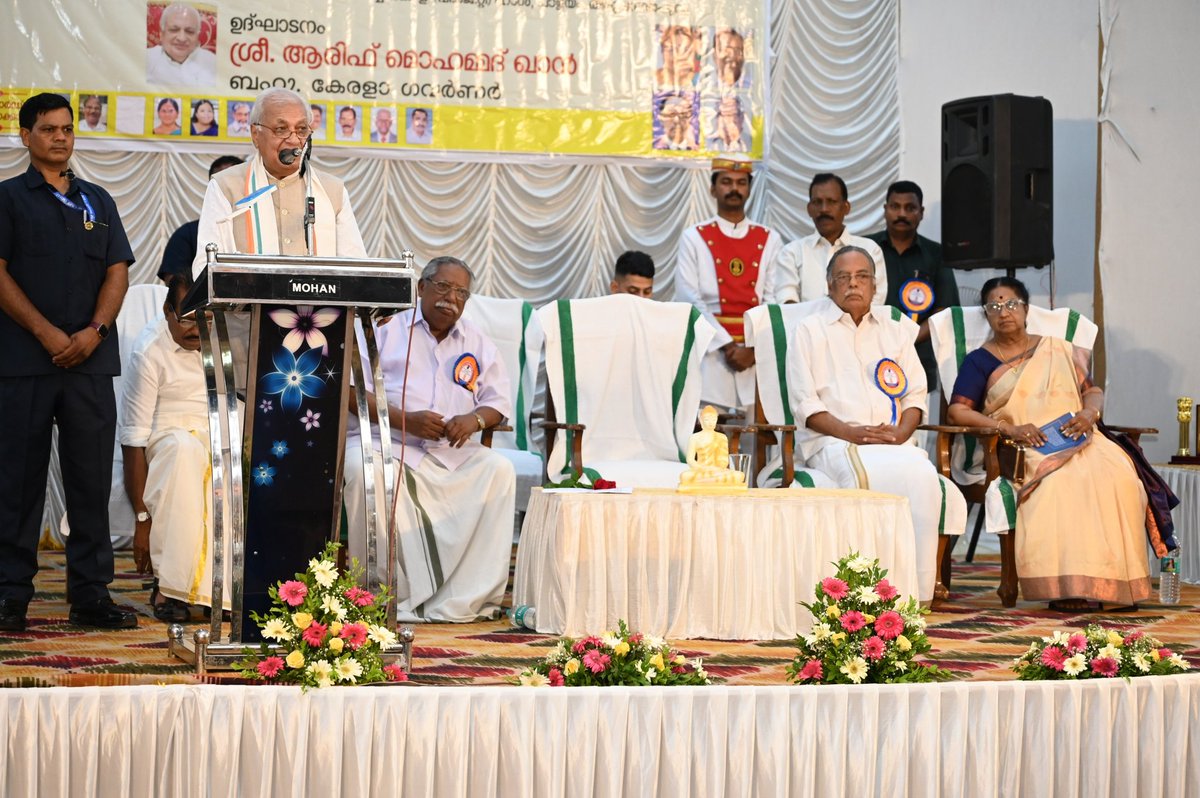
x: 89, y: 214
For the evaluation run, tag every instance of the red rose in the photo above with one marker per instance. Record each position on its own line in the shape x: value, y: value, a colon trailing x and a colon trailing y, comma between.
x: 603, y: 484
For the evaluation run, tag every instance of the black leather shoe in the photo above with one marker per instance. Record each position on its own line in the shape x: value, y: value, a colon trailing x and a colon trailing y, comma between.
x: 12, y: 615
x: 103, y: 614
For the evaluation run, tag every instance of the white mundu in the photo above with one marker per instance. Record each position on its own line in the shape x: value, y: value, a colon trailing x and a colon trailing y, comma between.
x: 803, y: 265
x: 833, y: 370
x: 454, y: 515
x: 164, y: 411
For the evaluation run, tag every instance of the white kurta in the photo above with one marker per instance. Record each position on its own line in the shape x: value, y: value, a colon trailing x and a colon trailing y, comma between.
x: 200, y: 68
x: 833, y: 370
x: 454, y: 515
x: 802, y: 267
x: 696, y: 284
x: 165, y: 411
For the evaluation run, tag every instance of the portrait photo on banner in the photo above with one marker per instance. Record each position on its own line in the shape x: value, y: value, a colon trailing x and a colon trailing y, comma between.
x: 238, y: 123
x: 181, y: 44
x: 348, y: 125
x: 205, y: 117
x: 676, y: 123
x: 166, y: 116
x: 418, y: 125
x: 92, y: 114
x: 679, y: 51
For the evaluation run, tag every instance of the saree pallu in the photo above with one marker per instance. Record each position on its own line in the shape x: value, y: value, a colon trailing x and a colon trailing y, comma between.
x: 1081, y: 513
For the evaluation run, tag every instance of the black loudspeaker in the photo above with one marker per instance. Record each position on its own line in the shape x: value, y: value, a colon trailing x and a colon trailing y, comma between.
x: 997, y: 182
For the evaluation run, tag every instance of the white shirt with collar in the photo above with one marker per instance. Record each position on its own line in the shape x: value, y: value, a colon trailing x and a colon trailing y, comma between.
x: 431, y: 384
x: 802, y: 267
x: 163, y: 388
x: 200, y: 68
x: 832, y: 369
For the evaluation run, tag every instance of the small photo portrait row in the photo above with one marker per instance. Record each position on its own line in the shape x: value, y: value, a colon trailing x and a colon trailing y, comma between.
x: 381, y: 123
x: 683, y: 121
x: 714, y: 59
x: 181, y: 44
x: 163, y: 115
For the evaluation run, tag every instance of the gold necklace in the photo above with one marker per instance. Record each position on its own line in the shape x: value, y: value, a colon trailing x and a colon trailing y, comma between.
x: 1021, y: 354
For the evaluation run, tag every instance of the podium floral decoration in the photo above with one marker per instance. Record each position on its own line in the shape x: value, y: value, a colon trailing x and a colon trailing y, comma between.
x: 862, y: 632
x: 610, y: 659
x: 1097, y: 652
x: 326, y: 629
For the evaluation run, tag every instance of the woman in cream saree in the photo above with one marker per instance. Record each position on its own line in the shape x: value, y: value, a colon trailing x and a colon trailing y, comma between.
x: 1081, y: 512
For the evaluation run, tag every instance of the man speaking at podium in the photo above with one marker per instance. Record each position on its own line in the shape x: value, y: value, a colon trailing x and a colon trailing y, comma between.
x: 259, y: 207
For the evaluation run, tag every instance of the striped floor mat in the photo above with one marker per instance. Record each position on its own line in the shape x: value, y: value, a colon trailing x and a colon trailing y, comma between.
x: 972, y: 635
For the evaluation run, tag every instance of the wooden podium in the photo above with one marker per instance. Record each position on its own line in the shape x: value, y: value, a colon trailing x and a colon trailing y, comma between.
x: 277, y: 333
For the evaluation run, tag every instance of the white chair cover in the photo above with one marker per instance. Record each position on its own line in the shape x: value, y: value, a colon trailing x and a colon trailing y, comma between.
x: 629, y: 369
x: 142, y: 305
x: 958, y: 330
x: 515, y: 329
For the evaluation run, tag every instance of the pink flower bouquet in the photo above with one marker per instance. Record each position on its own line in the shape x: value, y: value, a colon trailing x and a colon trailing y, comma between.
x: 614, y: 658
x: 1097, y: 653
x: 862, y: 632
x: 323, y: 629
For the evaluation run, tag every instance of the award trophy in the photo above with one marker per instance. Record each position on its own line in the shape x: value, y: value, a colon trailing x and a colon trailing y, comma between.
x: 1185, y: 456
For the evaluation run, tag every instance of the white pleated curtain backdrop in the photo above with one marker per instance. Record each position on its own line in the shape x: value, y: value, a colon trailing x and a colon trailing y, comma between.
x: 546, y: 230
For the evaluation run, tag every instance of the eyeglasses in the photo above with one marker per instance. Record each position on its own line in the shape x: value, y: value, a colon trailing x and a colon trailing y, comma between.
x: 846, y: 279
x: 284, y: 132
x: 442, y: 288
x: 183, y: 322
x: 994, y: 308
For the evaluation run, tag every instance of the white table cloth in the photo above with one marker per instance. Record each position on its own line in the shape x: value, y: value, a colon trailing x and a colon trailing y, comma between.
x: 1103, y: 738
x: 1185, y: 481
x: 733, y: 567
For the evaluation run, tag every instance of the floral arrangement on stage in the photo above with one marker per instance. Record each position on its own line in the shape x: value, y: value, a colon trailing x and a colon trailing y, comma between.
x: 327, y: 630
x: 611, y: 659
x: 862, y: 632
x: 1097, y: 652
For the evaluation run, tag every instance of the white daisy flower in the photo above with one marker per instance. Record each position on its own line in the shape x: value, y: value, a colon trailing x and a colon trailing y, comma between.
x: 1141, y: 662
x: 322, y: 671
x: 855, y: 669
x: 1073, y: 666
x: 323, y: 571
x: 533, y: 679
x: 348, y: 670
x: 276, y: 630
x: 333, y: 607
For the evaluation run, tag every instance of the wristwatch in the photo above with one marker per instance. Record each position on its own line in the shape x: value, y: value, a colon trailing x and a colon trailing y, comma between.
x: 100, y: 328
x: 143, y: 517
x: 482, y: 425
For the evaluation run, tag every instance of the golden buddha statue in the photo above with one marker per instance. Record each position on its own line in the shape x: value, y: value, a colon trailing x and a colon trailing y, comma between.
x: 708, y: 460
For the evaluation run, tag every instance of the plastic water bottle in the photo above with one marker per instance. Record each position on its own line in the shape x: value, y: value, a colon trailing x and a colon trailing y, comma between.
x: 1168, y: 580
x: 525, y: 617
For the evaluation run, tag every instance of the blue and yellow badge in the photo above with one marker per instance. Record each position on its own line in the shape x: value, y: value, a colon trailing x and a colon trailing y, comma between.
x: 891, y: 380
x: 916, y: 297
x: 466, y: 371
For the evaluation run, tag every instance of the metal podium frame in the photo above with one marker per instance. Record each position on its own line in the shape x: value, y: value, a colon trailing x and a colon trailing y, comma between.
x: 235, y: 281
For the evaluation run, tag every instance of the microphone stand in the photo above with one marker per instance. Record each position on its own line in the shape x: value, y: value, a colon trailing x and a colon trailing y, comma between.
x: 310, y: 205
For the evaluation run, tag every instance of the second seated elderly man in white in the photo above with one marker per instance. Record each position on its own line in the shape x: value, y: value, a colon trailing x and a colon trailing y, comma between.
x: 726, y: 266
x: 858, y: 390
x: 454, y: 515
x: 164, y: 442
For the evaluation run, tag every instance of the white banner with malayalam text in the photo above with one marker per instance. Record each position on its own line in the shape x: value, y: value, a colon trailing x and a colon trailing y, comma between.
x: 584, y: 77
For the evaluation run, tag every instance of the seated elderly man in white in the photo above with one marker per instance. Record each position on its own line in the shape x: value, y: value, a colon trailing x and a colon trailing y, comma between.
x: 859, y: 393
x: 164, y: 442
x: 454, y: 515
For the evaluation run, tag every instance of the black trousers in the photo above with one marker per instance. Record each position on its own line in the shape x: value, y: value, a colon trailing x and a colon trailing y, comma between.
x: 83, y: 407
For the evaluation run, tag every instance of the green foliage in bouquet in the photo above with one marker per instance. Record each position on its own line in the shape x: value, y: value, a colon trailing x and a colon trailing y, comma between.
x: 861, y: 632
x: 327, y: 629
x: 614, y: 659
x: 1097, y: 652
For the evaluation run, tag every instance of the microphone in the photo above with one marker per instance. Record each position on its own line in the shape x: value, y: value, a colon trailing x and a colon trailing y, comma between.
x: 288, y: 157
